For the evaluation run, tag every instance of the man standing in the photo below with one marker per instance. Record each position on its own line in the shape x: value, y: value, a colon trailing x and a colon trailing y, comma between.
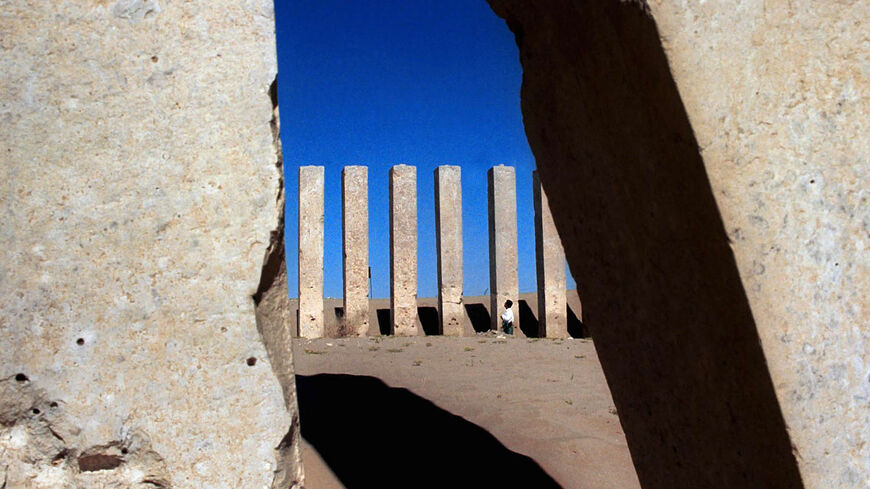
x: 507, y: 318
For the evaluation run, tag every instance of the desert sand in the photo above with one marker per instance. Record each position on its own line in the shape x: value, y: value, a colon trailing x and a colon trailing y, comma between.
x: 433, y: 411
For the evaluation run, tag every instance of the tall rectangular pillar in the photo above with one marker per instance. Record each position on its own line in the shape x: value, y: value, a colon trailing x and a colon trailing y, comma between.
x: 403, y: 250
x: 355, y: 250
x: 448, y: 241
x: 550, y: 264
x: 503, y: 275
x: 311, y: 180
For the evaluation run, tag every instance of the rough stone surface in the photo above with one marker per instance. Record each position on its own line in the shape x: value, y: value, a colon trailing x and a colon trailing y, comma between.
x: 139, y: 193
x: 503, y: 272
x: 355, y: 248
x: 783, y: 133
x: 706, y: 165
x: 38, y: 447
x: 403, y: 250
x: 276, y: 327
x: 311, y: 189
x: 448, y: 241
x: 550, y: 266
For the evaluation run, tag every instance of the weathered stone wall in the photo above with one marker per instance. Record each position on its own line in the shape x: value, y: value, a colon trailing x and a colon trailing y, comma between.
x: 140, y: 190
x: 379, y: 319
x: 706, y: 164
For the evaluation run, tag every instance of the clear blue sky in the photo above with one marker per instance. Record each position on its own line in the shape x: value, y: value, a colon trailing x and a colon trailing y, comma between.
x: 415, y: 82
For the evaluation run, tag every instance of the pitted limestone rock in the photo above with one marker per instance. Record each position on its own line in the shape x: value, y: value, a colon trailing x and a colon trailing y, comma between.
x: 40, y: 447
x: 139, y: 183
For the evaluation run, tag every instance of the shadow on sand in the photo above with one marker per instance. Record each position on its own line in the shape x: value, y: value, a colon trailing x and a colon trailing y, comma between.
x: 373, y: 435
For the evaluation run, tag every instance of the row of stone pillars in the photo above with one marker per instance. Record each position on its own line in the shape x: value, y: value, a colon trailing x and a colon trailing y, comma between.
x: 550, y: 257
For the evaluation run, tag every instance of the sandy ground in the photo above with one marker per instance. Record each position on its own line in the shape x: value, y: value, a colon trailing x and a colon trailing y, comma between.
x: 458, y: 412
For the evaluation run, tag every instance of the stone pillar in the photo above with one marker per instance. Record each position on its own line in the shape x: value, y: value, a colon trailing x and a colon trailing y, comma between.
x: 550, y: 264
x: 448, y: 240
x: 723, y: 221
x: 503, y: 280
x: 355, y: 250
x: 134, y: 254
x: 403, y: 250
x: 311, y: 251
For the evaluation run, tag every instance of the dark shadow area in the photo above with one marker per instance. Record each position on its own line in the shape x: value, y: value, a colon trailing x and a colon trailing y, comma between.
x: 528, y: 322
x: 630, y: 196
x: 295, y: 332
x: 384, y: 321
x: 479, y: 317
x: 429, y: 319
x: 576, y: 329
x: 339, y: 313
x: 372, y: 435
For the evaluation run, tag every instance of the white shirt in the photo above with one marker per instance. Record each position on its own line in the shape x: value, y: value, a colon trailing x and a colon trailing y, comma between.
x: 508, y: 315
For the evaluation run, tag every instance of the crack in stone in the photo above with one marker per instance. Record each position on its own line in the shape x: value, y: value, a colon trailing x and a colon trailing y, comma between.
x: 272, y: 309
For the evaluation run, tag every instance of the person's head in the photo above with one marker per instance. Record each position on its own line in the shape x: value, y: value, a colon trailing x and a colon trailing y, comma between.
x: 508, y: 304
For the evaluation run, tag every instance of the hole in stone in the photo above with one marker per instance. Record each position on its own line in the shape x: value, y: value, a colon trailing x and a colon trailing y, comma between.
x: 528, y: 322
x: 80, y: 341
x: 384, y: 321
x: 576, y: 328
x: 154, y: 59
x: 124, y: 451
x: 57, y: 459
x: 479, y: 317
x: 429, y: 319
x: 339, y: 312
x: 99, y: 461
x: 21, y: 378
x: 53, y: 404
x: 251, y: 361
x: 35, y: 411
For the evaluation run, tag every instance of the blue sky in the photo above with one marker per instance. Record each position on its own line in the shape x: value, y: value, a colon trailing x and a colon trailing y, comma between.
x: 414, y: 82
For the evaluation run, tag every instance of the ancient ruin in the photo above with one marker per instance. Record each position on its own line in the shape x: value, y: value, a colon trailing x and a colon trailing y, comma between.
x: 503, y: 279
x: 355, y: 249
x: 403, y: 250
x: 141, y: 194
x: 550, y: 262
x: 353, y: 320
x: 448, y: 239
x: 310, y: 259
x: 706, y: 168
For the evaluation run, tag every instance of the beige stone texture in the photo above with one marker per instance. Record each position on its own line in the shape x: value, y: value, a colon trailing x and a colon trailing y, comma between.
x: 550, y: 266
x: 311, y: 194
x: 503, y: 271
x: 783, y: 134
x: 707, y: 167
x: 276, y: 327
x: 403, y: 250
x: 355, y: 249
x: 140, y: 189
x: 448, y: 243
